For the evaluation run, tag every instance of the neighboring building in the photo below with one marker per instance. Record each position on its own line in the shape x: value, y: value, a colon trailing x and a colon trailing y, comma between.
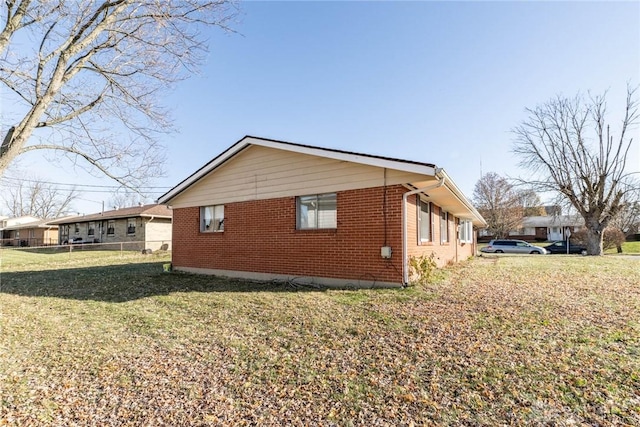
x: 266, y: 209
x: 27, y: 231
x: 143, y: 227
x: 541, y: 228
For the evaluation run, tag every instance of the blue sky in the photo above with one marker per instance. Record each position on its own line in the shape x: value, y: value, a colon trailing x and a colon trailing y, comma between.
x: 439, y: 82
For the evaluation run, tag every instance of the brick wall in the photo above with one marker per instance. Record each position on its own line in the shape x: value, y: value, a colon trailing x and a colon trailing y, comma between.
x: 260, y: 236
x: 447, y: 252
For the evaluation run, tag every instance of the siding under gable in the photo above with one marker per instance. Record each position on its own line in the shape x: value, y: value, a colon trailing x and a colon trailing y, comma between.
x: 259, y: 173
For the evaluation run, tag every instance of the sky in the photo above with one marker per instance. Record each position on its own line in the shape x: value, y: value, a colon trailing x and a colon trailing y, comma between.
x: 435, y: 82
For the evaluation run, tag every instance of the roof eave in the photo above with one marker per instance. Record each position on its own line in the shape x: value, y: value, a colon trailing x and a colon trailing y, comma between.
x: 453, y: 188
x: 397, y: 164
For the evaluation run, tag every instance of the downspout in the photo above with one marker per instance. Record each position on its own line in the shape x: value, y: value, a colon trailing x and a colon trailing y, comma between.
x: 146, y: 236
x: 405, y: 196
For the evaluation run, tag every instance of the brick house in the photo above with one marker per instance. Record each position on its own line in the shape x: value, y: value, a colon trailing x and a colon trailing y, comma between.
x: 27, y: 231
x: 141, y: 227
x: 266, y: 209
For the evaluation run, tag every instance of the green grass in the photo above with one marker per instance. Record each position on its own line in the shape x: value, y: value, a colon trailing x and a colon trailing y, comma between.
x: 110, y: 339
x: 629, y: 248
x: 54, y: 258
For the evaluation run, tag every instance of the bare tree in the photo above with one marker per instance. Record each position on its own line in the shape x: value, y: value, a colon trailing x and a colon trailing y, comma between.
x: 37, y: 198
x: 93, y: 73
x: 531, y: 204
x: 570, y: 149
x: 628, y: 218
x: 120, y: 199
x: 499, y: 203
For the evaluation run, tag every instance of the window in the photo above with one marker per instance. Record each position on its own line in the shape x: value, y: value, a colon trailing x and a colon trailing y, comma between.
x: 444, y: 226
x: 212, y: 219
x: 77, y: 228
x: 111, y: 227
x: 466, y: 231
x: 91, y: 228
x: 131, y: 226
x: 317, y: 211
x: 424, y: 221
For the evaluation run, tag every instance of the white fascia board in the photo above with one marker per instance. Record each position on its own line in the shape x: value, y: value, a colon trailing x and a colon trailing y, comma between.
x: 320, y: 152
x: 463, y: 199
x: 347, y: 157
x: 217, y: 161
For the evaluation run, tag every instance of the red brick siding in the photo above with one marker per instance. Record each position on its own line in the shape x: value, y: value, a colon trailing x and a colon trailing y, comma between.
x: 451, y: 251
x: 260, y: 236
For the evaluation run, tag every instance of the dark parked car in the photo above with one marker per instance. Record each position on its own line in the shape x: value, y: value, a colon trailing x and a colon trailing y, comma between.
x: 560, y: 247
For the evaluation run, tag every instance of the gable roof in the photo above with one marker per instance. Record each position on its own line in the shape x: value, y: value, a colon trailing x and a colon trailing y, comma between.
x: 455, y: 198
x: 366, y: 159
x: 18, y: 220
x: 39, y: 223
x: 147, y: 211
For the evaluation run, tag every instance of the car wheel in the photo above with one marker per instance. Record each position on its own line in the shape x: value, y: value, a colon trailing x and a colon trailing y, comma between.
x: 499, y: 251
x: 535, y: 252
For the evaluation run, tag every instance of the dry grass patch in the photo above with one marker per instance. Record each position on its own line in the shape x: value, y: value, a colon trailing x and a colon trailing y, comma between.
x: 514, y: 340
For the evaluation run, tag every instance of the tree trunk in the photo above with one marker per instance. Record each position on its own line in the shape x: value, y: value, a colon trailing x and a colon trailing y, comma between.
x: 594, y: 242
x: 619, y: 249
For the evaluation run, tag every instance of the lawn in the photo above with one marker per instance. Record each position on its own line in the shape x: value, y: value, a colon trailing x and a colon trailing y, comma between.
x: 514, y: 340
x: 627, y: 248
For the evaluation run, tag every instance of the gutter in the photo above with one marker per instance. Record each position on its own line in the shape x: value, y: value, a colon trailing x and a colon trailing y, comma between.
x: 405, y: 196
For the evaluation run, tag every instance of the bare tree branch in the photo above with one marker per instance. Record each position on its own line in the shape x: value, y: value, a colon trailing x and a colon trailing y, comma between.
x: 37, y: 198
x: 499, y: 204
x: 96, y: 74
x: 556, y: 143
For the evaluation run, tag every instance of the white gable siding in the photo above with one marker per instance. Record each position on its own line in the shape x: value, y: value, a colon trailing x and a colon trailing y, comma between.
x: 263, y: 173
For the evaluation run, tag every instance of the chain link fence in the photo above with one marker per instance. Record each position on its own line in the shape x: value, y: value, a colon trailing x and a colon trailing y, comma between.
x: 145, y: 247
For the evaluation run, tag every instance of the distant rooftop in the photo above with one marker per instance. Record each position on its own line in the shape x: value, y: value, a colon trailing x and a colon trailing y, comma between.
x: 159, y: 211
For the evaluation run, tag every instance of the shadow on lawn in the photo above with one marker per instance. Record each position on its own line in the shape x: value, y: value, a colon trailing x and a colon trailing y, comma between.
x: 121, y: 283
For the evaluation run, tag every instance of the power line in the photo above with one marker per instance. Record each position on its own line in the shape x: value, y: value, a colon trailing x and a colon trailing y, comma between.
x: 113, y: 187
x: 86, y: 189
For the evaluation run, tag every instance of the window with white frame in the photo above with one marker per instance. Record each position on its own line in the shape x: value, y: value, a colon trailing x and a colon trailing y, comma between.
x: 131, y: 226
x: 424, y: 221
x: 317, y: 211
x: 466, y: 231
x: 212, y: 219
x: 444, y: 226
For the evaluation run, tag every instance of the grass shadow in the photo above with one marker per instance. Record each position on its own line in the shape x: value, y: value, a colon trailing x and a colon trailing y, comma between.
x: 127, y: 282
